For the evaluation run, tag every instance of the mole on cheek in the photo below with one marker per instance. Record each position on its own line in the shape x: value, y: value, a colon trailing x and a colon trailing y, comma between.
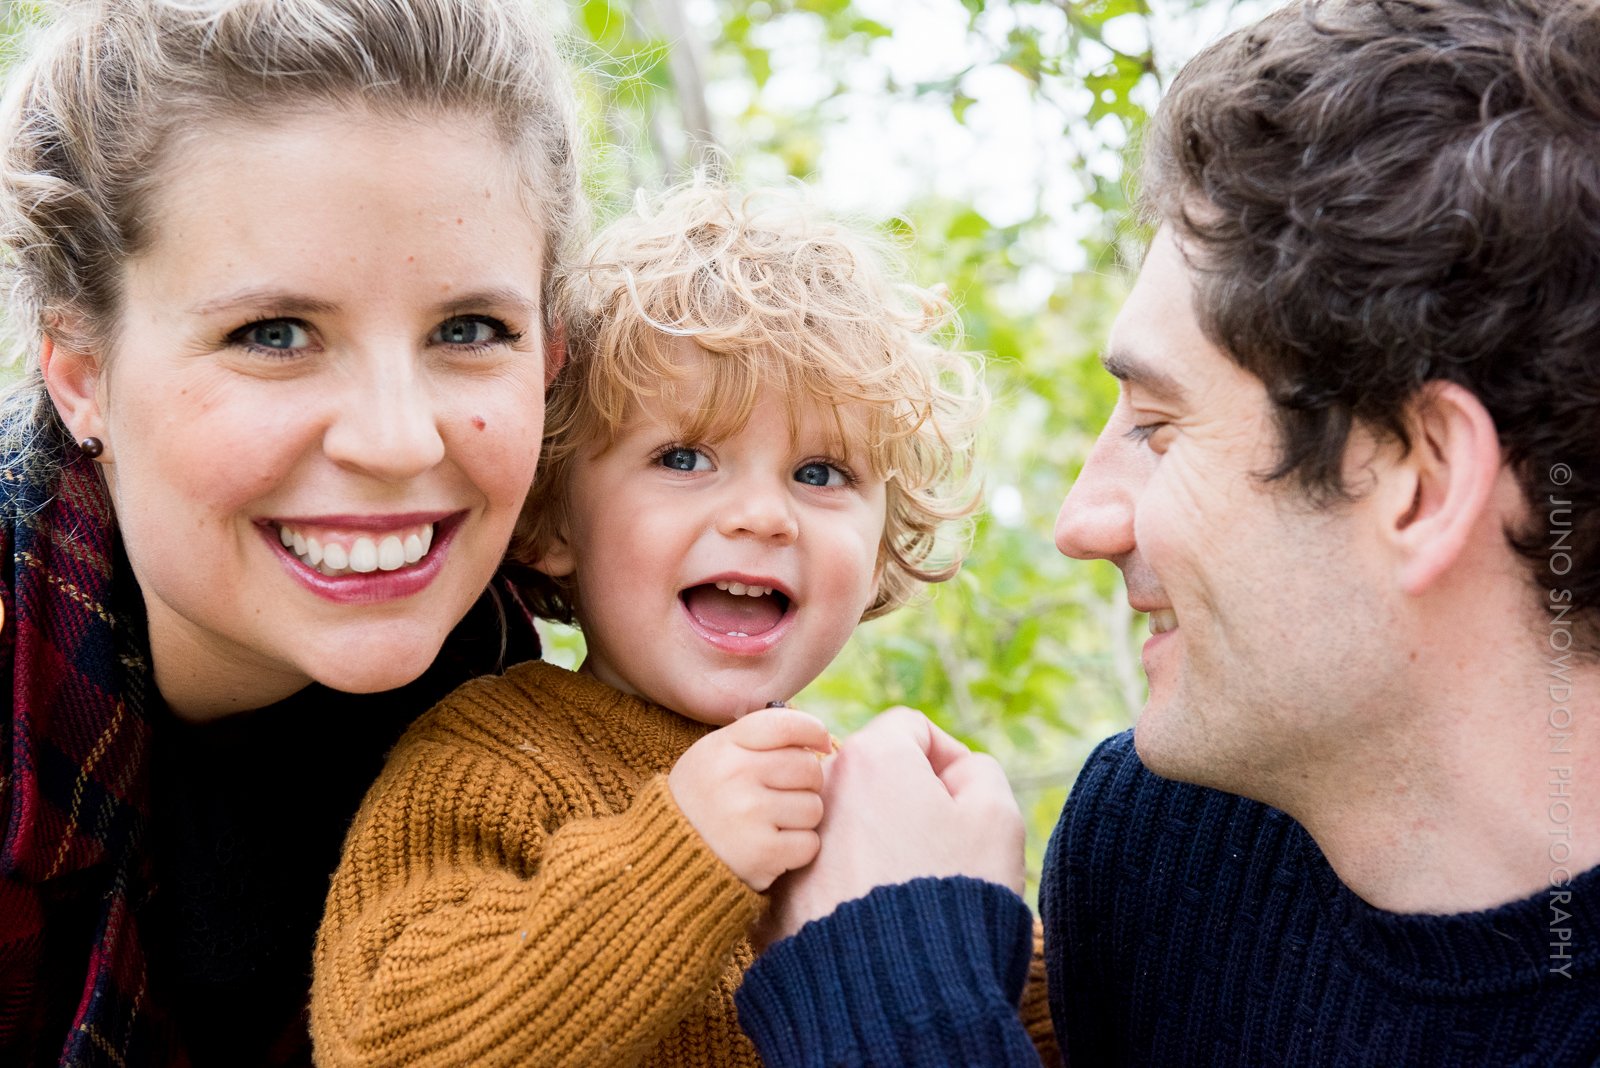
x: 478, y: 422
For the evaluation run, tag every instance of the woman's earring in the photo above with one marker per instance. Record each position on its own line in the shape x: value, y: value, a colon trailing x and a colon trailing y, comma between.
x: 91, y: 447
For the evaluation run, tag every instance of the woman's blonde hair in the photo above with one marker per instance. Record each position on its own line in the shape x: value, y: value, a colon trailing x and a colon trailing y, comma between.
x: 95, y: 115
x: 777, y: 295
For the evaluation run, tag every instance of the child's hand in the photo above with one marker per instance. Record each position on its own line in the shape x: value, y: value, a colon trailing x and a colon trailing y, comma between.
x: 753, y: 789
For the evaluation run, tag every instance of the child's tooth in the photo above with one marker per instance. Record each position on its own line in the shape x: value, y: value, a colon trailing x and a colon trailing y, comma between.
x: 363, y: 556
x: 335, y: 557
x: 413, y: 548
x: 286, y: 536
x: 427, y: 538
x: 758, y: 591
x: 313, y: 552
x: 391, y: 554
x: 737, y: 588
x: 722, y: 586
x: 299, y: 544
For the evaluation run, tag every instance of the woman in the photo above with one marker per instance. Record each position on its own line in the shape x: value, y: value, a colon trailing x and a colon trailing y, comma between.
x: 277, y: 267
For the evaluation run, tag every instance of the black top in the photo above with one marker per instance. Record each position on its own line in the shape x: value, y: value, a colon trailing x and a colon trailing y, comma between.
x: 248, y: 816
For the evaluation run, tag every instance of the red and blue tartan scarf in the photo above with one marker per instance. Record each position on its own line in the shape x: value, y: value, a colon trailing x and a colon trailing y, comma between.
x: 74, y: 791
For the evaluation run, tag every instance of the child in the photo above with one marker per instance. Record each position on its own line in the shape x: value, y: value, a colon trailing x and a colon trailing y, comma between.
x: 754, y: 446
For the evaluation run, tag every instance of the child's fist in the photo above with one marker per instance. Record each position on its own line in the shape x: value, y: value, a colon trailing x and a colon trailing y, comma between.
x: 753, y: 789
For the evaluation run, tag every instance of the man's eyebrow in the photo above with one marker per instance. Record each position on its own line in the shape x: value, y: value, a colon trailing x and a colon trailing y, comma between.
x: 1126, y: 367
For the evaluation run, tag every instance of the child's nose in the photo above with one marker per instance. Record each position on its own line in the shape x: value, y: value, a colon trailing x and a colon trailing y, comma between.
x: 758, y: 509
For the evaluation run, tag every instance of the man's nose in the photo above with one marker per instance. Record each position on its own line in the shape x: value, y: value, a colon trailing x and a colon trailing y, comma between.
x: 1096, y: 519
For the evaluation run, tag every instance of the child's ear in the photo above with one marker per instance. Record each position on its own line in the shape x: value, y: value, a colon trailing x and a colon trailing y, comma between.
x: 554, y: 557
x: 73, y: 379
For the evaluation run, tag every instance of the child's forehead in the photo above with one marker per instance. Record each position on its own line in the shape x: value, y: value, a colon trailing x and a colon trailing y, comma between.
x: 698, y: 408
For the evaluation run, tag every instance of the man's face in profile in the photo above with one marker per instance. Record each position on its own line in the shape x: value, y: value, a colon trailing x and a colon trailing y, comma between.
x: 1263, y: 608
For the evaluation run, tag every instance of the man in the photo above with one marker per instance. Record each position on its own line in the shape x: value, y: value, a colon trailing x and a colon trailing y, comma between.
x: 1353, y: 476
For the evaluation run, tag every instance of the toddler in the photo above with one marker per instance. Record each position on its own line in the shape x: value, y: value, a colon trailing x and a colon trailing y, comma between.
x: 755, y: 445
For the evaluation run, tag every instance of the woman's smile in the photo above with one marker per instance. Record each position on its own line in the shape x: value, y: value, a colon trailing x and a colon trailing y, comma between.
x: 320, y: 320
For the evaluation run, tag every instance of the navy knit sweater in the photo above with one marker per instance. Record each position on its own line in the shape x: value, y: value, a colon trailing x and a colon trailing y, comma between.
x: 1189, y: 927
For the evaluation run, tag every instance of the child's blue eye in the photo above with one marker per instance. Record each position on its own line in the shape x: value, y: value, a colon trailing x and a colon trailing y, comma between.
x: 818, y: 473
x: 683, y: 458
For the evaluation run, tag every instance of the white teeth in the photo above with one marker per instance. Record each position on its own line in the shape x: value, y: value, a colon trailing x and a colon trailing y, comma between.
x: 739, y: 589
x: 1163, y: 620
x: 387, y: 552
x: 363, y: 556
x: 391, y: 554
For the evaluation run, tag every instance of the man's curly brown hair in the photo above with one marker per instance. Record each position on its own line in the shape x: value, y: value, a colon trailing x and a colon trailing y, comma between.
x: 1377, y: 194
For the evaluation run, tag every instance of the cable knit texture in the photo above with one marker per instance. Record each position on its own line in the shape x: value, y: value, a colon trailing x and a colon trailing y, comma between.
x: 1192, y: 927
x: 521, y: 889
x: 925, y: 973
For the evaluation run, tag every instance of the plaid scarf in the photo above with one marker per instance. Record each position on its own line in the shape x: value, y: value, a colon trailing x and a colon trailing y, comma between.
x: 73, y: 789
x: 75, y: 778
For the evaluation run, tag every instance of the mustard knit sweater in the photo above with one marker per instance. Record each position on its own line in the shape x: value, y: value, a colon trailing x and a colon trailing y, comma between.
x: 519, y: 888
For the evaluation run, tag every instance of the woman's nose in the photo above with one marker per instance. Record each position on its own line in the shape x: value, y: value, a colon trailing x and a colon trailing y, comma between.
x: 1096, y: 519
x: 387, y: 425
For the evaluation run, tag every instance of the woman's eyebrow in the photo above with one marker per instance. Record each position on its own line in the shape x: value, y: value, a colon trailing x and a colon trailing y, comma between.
x: 279, y: 300
x: 505, y: 297
x: 290, y: 303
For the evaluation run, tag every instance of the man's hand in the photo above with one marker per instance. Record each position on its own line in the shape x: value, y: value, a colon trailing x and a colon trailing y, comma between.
x: 753, y: 789
x: 903, y: 799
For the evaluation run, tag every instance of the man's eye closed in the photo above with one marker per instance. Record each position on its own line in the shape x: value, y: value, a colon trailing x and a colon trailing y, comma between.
x: 684, y: 459
x: 817, y: 473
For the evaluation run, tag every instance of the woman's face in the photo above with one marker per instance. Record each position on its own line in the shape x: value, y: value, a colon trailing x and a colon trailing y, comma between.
x: 334, y: 341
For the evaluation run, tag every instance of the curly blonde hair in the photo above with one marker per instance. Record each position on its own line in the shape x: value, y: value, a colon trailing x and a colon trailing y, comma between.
x: 778, y: 295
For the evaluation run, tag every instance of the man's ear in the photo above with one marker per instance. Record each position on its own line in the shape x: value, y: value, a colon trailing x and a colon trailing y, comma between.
x: 72, y: 378
x: 1435, y: 496
x: 555, y: 352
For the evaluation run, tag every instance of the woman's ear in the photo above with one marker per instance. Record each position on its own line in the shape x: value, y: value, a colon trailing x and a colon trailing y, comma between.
x: 73, y: 380
x: 555, y: 352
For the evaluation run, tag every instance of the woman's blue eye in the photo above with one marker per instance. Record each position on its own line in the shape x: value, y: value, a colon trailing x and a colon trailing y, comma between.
x: 684, y: 459
x: 817, y: 473
x: 280, y: 334
x: 468, y: 330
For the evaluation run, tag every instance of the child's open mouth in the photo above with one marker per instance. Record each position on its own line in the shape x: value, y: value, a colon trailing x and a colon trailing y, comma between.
x: 735, y: 609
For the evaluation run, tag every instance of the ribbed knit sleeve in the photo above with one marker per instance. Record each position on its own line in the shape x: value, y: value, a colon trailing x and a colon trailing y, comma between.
x: 490, y: 911
x: 924, y: 974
